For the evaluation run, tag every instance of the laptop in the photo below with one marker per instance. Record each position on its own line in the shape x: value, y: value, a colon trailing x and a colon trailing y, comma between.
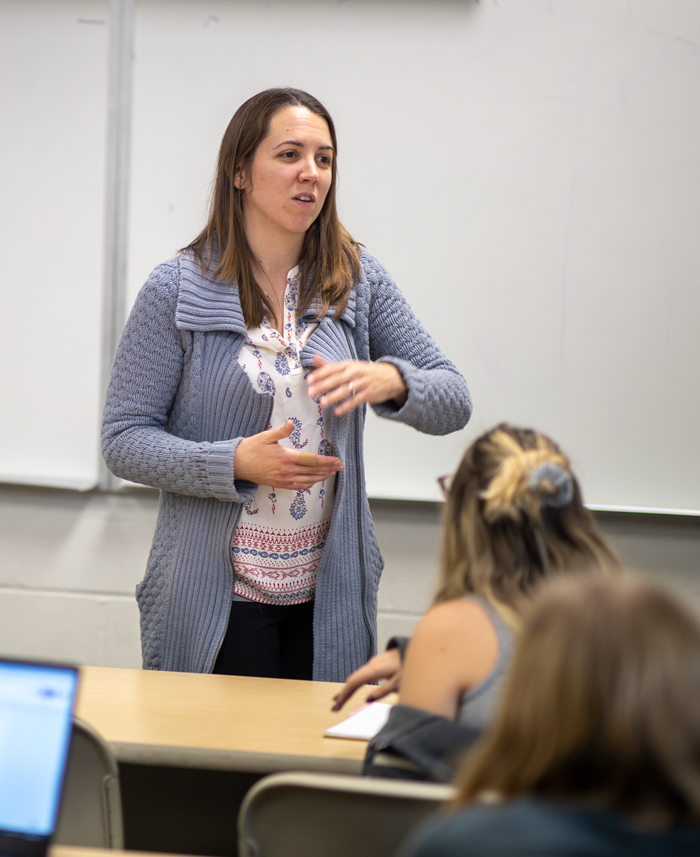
x: 36, y: 717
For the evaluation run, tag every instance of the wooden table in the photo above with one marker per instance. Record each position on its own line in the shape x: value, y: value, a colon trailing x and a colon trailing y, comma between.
x: 82, y: 851
x: 217, y: 722
x: 190, y: 746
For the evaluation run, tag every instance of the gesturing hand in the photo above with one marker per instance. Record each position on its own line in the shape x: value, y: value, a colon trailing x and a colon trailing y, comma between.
x: 261, y: 459
x: 385, y: 665
x: 354, y: 382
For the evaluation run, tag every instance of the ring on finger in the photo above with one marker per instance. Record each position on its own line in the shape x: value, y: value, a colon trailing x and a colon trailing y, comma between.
x: 351, y: 387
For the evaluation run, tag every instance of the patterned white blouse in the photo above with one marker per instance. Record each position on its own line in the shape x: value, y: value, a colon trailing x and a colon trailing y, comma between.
x: 280, y: 535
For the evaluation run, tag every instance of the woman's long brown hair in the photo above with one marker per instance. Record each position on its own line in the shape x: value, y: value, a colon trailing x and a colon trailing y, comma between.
x: 602, y: 706
x: 330, y: 257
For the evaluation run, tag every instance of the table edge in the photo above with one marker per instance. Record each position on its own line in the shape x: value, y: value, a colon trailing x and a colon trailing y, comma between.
x: 228, y: 760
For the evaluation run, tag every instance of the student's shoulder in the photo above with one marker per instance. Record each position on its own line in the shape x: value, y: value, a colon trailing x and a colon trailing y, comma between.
x: 461, y: 616
x: 525, y: 827
x: 472, y: 832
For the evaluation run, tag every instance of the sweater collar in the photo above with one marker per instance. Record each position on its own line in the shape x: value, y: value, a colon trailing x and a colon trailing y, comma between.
x: 348, y: 316
x: 207, y: 303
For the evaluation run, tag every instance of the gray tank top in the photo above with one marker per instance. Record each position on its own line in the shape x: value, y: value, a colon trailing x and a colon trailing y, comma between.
x: 476, y: 707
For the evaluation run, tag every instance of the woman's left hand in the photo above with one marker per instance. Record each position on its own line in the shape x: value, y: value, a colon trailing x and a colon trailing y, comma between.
x: 355, y: 382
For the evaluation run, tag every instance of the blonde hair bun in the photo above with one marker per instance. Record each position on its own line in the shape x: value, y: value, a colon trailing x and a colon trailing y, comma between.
x: 514, y: 517
x: 526, y: 481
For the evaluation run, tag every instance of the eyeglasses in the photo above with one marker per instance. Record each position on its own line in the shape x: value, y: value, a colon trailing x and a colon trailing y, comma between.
x: 445, y: 483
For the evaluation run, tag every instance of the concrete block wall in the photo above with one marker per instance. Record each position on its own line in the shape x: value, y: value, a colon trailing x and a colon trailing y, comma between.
x: 69, y: 563
x: 663, y: 548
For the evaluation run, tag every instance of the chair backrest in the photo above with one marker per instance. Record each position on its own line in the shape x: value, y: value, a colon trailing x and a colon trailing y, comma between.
x: 91, y: 810
x: 317, y: 815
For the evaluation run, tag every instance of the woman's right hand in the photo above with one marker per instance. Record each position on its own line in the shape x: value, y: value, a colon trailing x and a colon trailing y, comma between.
x: 262, y: 460
x: 385, y: 665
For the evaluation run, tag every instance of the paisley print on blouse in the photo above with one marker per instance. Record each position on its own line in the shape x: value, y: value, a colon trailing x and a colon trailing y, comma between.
x: 279, y: 540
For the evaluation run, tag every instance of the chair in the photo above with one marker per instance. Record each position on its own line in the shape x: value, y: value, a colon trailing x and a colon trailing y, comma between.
x: 91, y: 811
x: 332, y: 815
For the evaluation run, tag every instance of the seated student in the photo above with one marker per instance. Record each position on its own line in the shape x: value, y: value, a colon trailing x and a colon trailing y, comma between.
x: 514, y: 518
x: 596, y: 746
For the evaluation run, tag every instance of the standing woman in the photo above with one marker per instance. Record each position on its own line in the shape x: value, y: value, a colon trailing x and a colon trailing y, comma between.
x: 239, y: 389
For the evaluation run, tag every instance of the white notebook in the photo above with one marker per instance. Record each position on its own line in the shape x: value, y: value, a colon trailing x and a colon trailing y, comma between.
x: 362, y: 724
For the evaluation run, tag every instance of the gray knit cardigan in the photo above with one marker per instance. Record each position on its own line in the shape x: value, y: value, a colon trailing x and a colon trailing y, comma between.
x: 177, y: 406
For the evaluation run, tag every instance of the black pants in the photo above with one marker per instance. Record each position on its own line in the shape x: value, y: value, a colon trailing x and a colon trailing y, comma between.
x: 268, y: 640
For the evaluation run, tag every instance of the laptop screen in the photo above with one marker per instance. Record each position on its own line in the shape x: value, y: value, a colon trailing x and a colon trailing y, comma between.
x: 36, y: 709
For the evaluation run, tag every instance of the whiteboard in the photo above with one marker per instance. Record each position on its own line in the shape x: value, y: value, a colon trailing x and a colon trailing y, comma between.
x: 53, y: 97
x: 526, y: 169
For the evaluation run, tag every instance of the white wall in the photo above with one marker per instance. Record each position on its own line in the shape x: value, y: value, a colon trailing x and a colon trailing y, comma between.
x: 548, y: 149
x: 526, y: 170
x: 69, y: 563
x: 53, y: 101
